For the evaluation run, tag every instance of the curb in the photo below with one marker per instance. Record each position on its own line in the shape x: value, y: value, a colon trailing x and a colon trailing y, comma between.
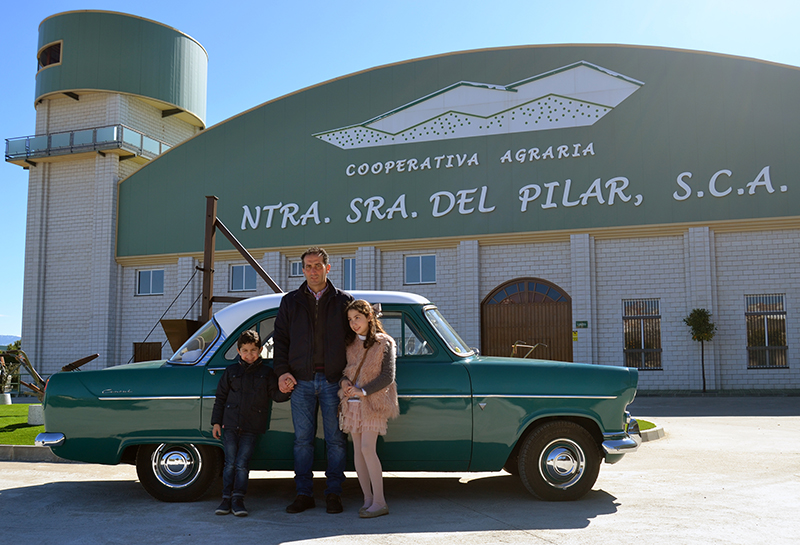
x: 28, y: 453
x: 653, y: 434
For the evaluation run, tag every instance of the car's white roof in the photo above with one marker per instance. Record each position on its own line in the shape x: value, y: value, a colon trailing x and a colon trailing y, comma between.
x: 231, y: 317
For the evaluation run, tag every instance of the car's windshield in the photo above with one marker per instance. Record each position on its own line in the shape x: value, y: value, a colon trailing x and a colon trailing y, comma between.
x: 447, y: 333
x: 192, y: 349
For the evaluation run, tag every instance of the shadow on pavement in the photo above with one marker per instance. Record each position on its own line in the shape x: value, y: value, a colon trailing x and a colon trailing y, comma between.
x: 113, y: 511
x: 715, y: 406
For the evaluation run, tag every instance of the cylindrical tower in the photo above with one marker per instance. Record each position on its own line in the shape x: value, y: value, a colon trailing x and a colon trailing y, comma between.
x: 113, y: 92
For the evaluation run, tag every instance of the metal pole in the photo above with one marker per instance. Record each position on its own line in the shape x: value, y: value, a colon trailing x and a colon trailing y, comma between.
x: 208, y: 258
x: 248, y: 257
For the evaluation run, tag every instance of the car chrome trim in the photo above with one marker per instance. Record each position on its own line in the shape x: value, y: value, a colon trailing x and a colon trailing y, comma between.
x: 49, y: 439
x: 562, y: 463
x: 434, y: 396
x: 176, y: 466
x: 622, y: 446
x: 629, y: 443
x: 542, y: 396
x: 144, y: 398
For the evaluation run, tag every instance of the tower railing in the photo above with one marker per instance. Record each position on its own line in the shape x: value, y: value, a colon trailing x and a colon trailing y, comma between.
x: 110, y: 137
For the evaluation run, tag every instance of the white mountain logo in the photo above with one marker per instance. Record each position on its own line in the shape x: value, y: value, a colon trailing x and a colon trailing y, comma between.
x: 576, y: 95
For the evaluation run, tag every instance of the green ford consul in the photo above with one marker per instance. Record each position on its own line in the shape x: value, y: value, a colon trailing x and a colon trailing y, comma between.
x: 551, y: 423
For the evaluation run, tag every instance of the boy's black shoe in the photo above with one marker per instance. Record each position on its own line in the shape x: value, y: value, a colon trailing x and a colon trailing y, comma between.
x: 300, y: 504
x: 224, y: 507
x: 333, y: 503
x: 237, y: 506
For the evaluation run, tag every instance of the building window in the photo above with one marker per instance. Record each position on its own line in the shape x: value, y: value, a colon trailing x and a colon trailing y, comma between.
x: 766, y: 330
x: 420, y: 269
x: 50, y: 55
x: 297, y: 268
x: 641, y: 323
x: 150, y: 282
x: 243, y: 278
x: 349, y: 274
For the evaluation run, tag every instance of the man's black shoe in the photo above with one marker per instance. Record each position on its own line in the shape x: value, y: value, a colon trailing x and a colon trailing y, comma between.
x: 300, y: 504
x: 237, y: 506
x: 224, y: 507
x: 333, y: 503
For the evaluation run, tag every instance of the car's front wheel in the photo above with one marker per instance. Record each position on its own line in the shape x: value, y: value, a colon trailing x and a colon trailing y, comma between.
x: 178, y: 472
x: 559, y: 461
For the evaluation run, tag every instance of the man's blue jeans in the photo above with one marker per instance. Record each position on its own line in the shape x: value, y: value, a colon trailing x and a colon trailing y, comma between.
x: 305, y: 396
x: 239, y: 446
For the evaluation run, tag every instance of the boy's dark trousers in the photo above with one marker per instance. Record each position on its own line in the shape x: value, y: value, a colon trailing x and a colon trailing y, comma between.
x: 239, y: 446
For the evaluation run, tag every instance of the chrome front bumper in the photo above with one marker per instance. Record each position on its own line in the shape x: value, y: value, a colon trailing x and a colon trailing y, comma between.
x: 49, y: 439
x: 627, y: 444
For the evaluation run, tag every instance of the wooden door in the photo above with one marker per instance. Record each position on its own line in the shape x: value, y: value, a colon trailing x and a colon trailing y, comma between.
x: 531, y: 312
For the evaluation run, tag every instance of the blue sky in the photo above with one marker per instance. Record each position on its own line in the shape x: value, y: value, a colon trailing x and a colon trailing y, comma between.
x: 260, y: 50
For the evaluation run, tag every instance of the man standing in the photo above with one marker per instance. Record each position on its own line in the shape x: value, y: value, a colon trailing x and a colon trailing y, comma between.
x: 309, y: 359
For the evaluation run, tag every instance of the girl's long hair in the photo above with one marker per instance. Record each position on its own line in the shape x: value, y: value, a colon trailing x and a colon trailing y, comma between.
x: 373, y: 323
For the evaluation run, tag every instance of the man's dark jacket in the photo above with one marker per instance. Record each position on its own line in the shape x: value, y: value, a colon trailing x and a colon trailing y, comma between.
x: 294, y: 333
x: 244, y: 396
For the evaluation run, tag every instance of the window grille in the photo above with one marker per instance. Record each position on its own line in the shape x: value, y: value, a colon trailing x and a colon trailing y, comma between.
x: 766, y: 331
x: 641, y: 322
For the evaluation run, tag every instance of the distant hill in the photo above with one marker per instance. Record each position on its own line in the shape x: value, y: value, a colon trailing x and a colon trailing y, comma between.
x: 5, y: 340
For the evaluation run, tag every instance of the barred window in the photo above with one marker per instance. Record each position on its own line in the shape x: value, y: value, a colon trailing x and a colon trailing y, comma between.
x: 641, y: 322
x: 766, y: 330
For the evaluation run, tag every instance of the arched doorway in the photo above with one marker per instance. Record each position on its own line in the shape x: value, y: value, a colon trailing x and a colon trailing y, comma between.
x: 531, y: 311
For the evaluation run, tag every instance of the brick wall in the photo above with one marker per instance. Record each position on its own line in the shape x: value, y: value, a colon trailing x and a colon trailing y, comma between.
x: 697, y: 269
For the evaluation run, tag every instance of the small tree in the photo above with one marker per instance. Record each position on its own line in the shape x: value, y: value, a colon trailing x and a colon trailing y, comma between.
x: 699, y: 320
x: 9, y: 366
x: 9, y: 369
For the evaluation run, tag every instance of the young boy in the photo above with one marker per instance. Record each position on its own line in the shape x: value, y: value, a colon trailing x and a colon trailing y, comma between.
x: 242, y: 408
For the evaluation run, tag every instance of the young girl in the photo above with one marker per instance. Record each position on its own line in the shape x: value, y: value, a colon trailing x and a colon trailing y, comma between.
x: 368, y: 399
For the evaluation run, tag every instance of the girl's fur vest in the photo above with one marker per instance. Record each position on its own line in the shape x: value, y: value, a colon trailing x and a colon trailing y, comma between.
x: 383, y: 402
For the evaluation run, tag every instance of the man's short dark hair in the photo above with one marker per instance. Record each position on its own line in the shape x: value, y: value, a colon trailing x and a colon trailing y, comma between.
x: 315, y: 250
x: 248, y: 337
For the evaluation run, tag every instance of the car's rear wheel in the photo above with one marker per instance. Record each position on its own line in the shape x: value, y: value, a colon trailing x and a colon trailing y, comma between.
x: 178, y: 472
x: 559, y: 461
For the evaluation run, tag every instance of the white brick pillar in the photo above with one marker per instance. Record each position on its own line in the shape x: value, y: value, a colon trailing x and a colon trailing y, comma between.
x: 103, y: 268
x: 701, y: 279
x: 468, y: 322
x: 368, y: 268
x: 188, y: 304
x: 584, y: 298
x: 35, y: 263
x: 275, y: 265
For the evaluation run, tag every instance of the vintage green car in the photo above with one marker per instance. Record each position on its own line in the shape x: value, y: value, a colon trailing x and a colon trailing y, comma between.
x: 551, y: 423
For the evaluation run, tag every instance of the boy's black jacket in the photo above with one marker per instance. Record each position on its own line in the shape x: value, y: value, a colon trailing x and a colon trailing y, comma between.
x: 244, y: 396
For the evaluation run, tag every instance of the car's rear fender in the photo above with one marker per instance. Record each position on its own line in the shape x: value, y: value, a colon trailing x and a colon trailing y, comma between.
x: 128, y: 451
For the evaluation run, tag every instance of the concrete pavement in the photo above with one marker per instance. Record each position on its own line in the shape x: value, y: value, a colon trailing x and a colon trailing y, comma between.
x: 726, y: 472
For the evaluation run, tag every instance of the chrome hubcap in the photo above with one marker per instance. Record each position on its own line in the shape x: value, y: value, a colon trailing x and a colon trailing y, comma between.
x: 176, y: 466
x: 562, y: 463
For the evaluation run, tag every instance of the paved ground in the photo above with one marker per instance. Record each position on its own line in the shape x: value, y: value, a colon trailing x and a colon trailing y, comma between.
x: 728, y: 471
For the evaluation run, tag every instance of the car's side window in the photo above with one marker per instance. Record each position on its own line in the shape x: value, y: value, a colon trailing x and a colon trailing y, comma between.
x: 406, y: 335
x: 265, y: 328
